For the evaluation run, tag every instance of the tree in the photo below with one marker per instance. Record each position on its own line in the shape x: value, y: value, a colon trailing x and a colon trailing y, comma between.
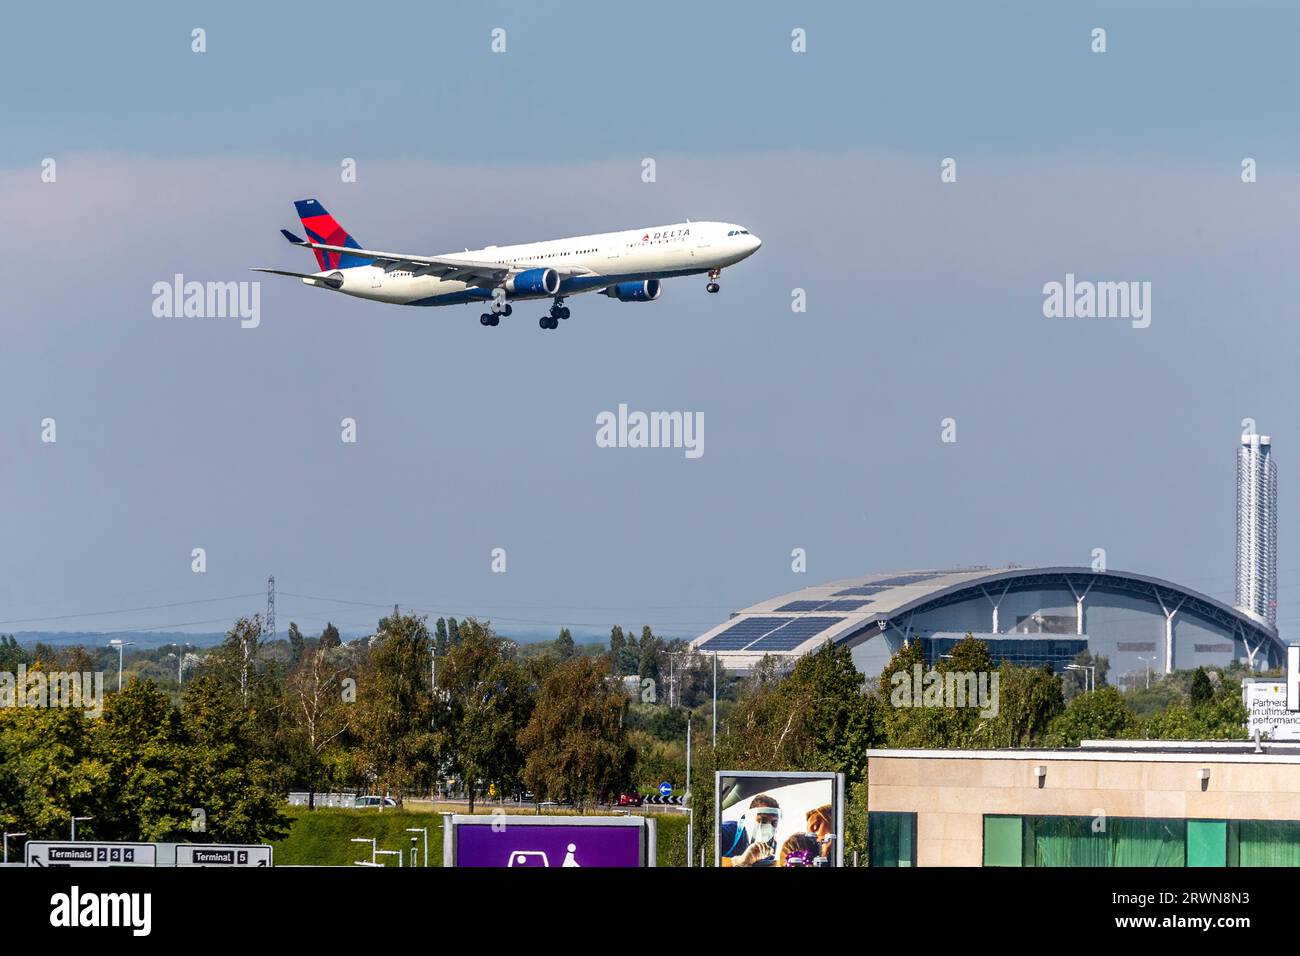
x: 482, y: 703
x: 46, y: 775
x: 440, y: 637
x: 564, y: 646
x: 616, y: 645
x: 296, y: 643
x: 1102, y: 715
x: 140, y: 749
x: 232, y: 786
x: 318, y: 715
x: 648, y: 666
x: 235, y: 661
x: 576, y: 741
x: 1202, y: 690
x: 12, y: 654
x: 1029, y: 698
x: 395, y: 707
x: 330, y: 637
x: 817, y: 718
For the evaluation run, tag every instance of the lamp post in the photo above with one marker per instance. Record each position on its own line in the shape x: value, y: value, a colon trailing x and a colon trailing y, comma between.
x: 425, y: 831
x: 374, y: 847
x: 1152, y: 659
x: 1090, y: 673
x: 6, y: 842
x: 121, y: 646
x: 715, y: 700
x: 180, y: 663
x: 75, y: 821
x: 396, y: 853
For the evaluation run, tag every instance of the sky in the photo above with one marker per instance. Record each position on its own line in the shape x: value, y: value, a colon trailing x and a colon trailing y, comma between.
x: 823, y: 428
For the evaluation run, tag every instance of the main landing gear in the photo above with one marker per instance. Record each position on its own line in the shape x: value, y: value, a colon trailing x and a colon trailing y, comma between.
x: 713, y: 286
x: 494, y: 317
x: 558, y: 312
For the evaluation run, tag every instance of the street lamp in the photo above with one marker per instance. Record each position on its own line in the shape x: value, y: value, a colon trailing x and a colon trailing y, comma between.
x: 1152, y: 659
x: 425, y: 831
x: 1090, y: 671
x: 6, y: 841
x: 396, y: 853
x: 75, y: 821
x: 374, y: 845
x: 180, y: 662
x: 121, y: 646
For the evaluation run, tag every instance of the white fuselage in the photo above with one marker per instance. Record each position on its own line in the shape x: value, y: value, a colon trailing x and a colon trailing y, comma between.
x: 586, y: 263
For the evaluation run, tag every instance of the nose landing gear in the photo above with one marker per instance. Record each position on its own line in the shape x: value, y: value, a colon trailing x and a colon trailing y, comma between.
x: 713, y: 286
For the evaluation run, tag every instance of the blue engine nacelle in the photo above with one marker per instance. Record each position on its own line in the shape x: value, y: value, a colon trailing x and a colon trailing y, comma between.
x: 645, y: 291
x: 534, y: 282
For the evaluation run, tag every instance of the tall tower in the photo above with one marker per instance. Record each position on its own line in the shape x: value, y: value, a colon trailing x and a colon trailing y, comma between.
x: 268, y: 628
x: 1257, y: 529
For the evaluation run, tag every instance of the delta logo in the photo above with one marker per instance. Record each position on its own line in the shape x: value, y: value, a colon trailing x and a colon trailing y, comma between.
x: 666, y: 234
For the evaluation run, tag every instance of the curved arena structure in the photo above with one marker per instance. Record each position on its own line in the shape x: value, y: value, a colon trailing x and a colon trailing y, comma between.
x: 1028, y: 616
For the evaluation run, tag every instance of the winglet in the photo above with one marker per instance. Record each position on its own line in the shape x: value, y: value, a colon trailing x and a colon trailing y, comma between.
x: 292, y: 238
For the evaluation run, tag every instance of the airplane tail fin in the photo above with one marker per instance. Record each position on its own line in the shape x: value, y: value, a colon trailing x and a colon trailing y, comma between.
x: 324, y: 229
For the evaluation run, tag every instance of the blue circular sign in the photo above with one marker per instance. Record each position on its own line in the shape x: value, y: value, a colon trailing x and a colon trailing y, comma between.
x: 665, y: 789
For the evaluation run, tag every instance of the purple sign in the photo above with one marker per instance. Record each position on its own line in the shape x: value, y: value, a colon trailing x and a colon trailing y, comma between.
x: 547, y: 845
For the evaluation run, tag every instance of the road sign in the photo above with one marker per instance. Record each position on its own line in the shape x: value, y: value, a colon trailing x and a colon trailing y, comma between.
x: 665, y: 789
x: 191, y: 854
x: 91, y: 854
x: 655, y: 800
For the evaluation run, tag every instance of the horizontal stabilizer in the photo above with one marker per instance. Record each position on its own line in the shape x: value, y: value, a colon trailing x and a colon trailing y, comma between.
x: 292, y: 238
x: 332, y: 281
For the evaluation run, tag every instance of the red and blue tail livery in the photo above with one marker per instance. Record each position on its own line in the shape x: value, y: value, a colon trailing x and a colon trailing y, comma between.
x: 324, y: 230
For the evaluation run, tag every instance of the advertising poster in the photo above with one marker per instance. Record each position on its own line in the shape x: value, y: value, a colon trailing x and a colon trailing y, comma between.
x: 787, y: 819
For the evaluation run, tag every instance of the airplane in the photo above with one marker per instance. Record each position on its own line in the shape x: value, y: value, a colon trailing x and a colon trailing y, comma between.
x: 628, y: 266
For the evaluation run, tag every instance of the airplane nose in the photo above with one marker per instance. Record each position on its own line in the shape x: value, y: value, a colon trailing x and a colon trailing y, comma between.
x: 756, y: 243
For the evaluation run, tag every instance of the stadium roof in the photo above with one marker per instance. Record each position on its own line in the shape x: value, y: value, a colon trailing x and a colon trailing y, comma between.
x: 855, y: 609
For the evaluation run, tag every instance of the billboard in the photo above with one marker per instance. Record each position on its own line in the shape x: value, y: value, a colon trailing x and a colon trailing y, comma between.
x: 787, y: 819
x: 1266, y: 710
x: 524, y: 842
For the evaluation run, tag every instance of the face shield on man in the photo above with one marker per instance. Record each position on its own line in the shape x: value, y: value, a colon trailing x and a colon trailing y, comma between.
x: 766, y: 820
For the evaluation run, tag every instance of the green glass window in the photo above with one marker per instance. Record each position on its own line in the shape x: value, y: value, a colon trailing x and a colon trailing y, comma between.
x: 891, y: 839
x: 1207, y: 842
x: 1104, y: 841
x: 1264, y: 843
x: 1003, y: 841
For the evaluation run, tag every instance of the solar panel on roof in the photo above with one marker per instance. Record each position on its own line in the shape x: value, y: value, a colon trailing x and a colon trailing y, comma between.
x: 827, y: 605
x: 790, y: 636
x: 862, y: 590
x: 901, y: 580
x: 743, y: 632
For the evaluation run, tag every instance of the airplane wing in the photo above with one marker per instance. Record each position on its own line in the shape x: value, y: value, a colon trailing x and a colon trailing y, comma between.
x: 485, y: 274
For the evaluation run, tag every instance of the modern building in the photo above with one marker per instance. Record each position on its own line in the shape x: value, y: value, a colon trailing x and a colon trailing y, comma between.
x: 1027, y: 615
x: 1108, y: 803
x: 1257, y: 529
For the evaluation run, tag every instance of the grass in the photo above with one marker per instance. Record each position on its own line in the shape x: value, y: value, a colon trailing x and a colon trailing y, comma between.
x: 321, y: 837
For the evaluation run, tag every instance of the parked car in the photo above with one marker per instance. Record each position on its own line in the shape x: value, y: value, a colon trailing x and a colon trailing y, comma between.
x: 375, y: 801
x: 630, y: 800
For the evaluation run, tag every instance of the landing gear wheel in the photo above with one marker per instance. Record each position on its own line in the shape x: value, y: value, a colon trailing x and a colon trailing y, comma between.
x: 486, y: 318
x: 547, y: 322
x: 564, y: 313
x: 712, y: 287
